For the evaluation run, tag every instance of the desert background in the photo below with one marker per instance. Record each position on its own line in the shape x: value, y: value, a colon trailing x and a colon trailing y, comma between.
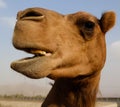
x: 29, y: 95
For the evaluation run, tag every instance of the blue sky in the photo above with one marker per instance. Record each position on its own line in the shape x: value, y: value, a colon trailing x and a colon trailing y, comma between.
x: 8, y: 9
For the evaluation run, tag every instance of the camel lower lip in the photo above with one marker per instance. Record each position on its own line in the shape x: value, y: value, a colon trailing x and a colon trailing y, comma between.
x: 35, y: 67
x: 35, y: 57
x: 27, y: 60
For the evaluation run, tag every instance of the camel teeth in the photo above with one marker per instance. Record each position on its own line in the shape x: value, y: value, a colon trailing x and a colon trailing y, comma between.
x: 42, y: 52
x: 39, y: 52
x: 48, y: 54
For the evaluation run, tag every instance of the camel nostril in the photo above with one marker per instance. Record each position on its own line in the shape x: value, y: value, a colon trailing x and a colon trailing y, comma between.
x: 31, y: 15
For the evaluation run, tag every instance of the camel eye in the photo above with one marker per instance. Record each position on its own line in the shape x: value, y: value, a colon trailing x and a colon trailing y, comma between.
x: 89, y: 25
x: 86, y: 28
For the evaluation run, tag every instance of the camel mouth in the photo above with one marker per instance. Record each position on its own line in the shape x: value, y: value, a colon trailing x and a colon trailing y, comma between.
x: 37, y: 66
x: 36, y: 54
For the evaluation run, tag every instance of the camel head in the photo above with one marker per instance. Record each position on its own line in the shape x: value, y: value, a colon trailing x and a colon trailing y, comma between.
x: 62, y: 45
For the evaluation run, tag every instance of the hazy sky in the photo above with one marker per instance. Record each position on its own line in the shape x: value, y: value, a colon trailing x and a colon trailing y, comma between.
x: 110, y: 80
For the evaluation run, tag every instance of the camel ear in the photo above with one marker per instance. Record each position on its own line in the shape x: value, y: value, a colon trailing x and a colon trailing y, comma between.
x: 107, y: 21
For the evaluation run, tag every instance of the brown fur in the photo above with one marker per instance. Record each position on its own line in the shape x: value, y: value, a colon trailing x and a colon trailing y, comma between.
x: 70, y: 49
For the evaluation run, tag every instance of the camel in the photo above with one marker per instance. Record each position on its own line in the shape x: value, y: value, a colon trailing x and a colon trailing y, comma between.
x: 70, y: 49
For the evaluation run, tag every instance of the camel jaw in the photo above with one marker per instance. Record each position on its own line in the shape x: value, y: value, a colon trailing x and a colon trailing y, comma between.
x: 37, y: 66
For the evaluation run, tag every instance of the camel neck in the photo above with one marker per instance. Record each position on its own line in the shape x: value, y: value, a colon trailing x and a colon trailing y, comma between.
x: 69, y: 93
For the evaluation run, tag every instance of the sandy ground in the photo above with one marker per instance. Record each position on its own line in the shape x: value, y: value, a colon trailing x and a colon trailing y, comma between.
x: 106, y: 104
x: 7, y: 103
